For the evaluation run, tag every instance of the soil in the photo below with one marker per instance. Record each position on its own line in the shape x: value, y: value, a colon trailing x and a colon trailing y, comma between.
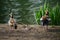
x: 29, y: 32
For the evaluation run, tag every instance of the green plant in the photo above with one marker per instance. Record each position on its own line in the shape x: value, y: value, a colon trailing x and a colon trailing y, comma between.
x: 54, y: 13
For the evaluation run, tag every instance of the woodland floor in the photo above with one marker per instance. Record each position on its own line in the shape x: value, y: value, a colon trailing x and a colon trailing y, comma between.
x: 33, y: 32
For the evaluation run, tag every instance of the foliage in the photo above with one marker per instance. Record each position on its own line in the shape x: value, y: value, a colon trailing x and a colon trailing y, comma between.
x: 54, y: 13
x: 20, y: 9
x: 25, y: 16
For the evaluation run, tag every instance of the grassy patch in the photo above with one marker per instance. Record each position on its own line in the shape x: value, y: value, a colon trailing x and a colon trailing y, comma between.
x: 54, y: 13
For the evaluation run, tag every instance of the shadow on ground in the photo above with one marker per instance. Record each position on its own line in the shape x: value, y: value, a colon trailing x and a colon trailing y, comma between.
x: 53, y: 30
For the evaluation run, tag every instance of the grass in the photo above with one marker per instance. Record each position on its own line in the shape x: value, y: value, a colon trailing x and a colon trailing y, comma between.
x: 54, y: 13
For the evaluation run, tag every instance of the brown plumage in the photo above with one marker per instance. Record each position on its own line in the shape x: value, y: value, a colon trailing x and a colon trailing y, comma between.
x: 44, y: 17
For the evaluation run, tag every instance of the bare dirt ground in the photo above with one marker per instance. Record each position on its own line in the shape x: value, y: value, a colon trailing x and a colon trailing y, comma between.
x: 32, y: 32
